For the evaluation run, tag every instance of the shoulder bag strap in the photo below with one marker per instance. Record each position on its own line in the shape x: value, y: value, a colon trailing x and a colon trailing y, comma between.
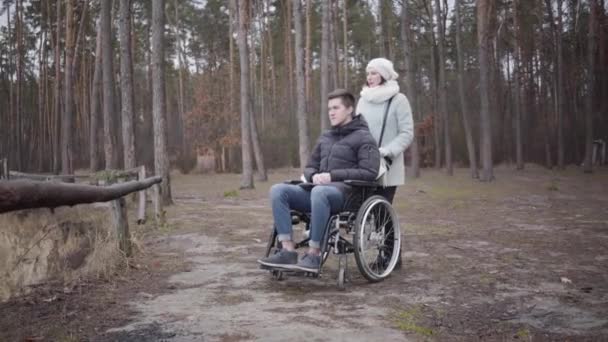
x: 388, y: 105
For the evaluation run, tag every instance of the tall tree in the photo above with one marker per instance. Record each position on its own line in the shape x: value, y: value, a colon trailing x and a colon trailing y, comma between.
x: 126, y: 85
x: 484, y: 10
x: 241, y: 7
x: 559, y: 84
x: 517, y: 87
x: 333, y: 47
x: 308, y: 57
x: 464, y: 105
x: 324, y: 65
x: 303, y: 134
x: 434, y: 85
x: 68, y: 106
x: 57, y: 93
x: 180, y: 78
x: 9, y: 77
x: 345, y: 32
x: 410, y: 78
x: 94, y: 158
x: 384, y: 19
x: 161, y: 155
x: 19, y: 112
x: 591, y: 45
x: 443, y: 101
x: 257, y: 147
x: 111, y: 154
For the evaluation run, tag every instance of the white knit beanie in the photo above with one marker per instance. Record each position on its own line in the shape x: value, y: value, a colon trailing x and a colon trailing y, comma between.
x: 384, y: 67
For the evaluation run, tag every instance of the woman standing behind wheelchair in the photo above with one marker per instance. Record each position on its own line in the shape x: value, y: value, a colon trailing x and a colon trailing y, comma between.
x: 389, y: 117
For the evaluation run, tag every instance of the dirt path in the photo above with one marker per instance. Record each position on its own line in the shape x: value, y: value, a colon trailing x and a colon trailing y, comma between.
x: 523, y: 259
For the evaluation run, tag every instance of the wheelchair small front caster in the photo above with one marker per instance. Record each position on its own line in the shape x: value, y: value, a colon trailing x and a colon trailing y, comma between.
x: 341, y: 279
x: 342, y: 273
x: 278, y: 275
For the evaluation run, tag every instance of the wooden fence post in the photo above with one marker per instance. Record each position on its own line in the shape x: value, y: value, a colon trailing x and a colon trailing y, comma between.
x: 141, y: 211
x: 119, y: 211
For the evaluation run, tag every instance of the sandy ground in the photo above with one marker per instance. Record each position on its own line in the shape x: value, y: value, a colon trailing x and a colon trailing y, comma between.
x: 524, y: 258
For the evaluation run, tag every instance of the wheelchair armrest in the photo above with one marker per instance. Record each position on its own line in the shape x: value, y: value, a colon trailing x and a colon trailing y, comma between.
x: 360, y: 183
x: 293, y: 182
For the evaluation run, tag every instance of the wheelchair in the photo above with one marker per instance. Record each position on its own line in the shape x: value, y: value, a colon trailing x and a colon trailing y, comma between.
x: 367, y: 226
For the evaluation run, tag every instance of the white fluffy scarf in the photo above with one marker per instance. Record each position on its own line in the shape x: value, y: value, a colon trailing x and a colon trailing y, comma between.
x: 381, y: 93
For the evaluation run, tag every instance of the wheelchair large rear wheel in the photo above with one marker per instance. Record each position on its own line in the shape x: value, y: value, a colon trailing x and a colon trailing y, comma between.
x: 377, y: 239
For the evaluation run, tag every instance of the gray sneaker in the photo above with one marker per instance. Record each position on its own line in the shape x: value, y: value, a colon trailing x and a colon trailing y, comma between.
x: 283, y: 258
x: 309, y: 263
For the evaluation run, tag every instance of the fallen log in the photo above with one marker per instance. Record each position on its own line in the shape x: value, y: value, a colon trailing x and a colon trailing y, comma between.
x: 25, y: 194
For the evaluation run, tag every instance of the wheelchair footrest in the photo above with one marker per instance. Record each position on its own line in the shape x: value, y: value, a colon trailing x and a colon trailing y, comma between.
x: 288, y: 271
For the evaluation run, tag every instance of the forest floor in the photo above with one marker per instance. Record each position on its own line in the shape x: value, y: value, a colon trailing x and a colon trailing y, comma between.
x: 524, y: 258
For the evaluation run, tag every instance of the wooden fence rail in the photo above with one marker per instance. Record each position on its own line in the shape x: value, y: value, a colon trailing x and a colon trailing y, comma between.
x: 19, y: 190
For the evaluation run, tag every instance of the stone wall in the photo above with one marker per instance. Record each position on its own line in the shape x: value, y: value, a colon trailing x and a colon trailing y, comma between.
x: 40, y: 245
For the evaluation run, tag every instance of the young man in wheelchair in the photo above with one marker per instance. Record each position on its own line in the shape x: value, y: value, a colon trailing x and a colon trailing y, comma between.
x: 347, y: 151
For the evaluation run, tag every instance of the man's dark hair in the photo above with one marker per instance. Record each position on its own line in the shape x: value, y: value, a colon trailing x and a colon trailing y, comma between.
x: 348, y: 99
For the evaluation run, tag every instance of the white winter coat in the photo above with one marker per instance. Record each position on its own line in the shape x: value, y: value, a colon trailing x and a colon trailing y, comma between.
x: 399, y: 130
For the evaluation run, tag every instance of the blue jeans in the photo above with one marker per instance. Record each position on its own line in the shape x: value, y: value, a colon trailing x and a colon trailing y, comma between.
x: 320, y: 202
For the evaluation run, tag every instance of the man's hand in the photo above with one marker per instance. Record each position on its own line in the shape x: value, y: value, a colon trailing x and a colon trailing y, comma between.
x: 321, y: 178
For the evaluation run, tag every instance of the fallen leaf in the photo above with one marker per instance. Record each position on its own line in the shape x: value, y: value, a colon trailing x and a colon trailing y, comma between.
x: 566, y: 280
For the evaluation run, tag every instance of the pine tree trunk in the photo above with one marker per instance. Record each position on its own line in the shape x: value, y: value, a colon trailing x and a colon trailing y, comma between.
x: 345, y: 31
x: 543, y: 79
x: 561, y: 163
x: 19, y: 86
x: 108, y: 85
x: 333, y: 48
x: 443, y: 102
x: 385, y: 34
x: 257, y: 148
x: 273, y: 76
x: 180, y: 79
x: 591, y: 45
x: 9, y: 77
x: 517, y: 91
x: 484, y: 9
x: 262, y: 78
x: 94, y: 157
x: 289, y: 58
x: 324, y: 66
x: 232, y: 95
x: 57, y: 95
x: 308, y: 55
x: 40, y: 119
x: 67, y: 125
x: 464, y: 106
x: 240, y: 7
x: 410, y: 80
x: 161, y: 156
x: 80, y: 36
x: 300, y: 86
x: 434, y: 95
x: 126, y: 85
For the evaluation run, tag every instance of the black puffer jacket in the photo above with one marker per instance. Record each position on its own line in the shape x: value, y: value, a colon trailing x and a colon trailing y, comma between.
x: 346, y: 152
